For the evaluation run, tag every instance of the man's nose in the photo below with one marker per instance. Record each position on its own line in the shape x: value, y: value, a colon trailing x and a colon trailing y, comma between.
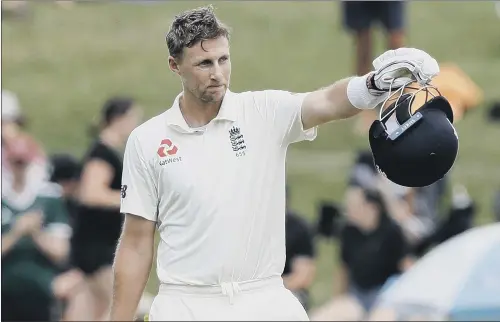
x: 216, y: 73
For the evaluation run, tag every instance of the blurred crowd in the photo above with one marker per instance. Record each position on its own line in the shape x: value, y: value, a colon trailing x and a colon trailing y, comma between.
x: 61, y: 219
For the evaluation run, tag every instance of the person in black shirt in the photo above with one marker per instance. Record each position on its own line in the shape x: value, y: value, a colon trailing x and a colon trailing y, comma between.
x: 299, y: 270
x: 373, y: 247
x: 65, y: 171
x: 99, y: 221
x: 69, y: 287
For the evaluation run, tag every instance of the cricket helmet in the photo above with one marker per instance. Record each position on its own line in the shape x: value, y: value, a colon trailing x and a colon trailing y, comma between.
x: 414, y: 142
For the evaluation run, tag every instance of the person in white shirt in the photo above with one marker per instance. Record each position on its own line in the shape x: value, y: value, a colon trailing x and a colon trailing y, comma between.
x: 209, y: 175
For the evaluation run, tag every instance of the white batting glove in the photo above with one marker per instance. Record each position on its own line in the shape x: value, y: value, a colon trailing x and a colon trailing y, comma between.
x: 395, y: 68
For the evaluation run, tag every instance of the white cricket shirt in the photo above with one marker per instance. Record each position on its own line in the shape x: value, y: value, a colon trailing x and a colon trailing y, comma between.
x: 217, y: 195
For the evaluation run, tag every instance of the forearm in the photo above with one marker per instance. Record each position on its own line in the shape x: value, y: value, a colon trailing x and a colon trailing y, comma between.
x: 338, y: 101
x: 55, y: 248
x: 131, y: 270
x: 328, y: 104
x: 341, y: 100
x: 8, y: 241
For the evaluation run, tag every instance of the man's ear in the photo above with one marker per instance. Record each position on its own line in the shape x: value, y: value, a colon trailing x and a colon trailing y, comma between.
x: 173, y: 64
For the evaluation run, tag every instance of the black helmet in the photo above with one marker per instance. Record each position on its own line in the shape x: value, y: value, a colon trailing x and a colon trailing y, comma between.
x: 423, y: 146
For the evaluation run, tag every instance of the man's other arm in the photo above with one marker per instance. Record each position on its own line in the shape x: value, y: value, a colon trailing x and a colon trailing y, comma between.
x: 132, y: 266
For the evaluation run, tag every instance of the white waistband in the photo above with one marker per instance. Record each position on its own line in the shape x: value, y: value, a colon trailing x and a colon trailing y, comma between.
x: 226, y: 288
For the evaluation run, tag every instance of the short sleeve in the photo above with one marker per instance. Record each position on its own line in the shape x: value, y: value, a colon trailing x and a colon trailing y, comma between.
x: 305, y: 243
x: 283, y: 111
x: 100, y: 152
x: 306, y: 246
x: 139, y: 190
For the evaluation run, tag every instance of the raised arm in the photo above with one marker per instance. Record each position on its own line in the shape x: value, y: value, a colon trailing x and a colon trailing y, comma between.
x: 347, y: 97
x: 327, y: 104
x: 132, y: 266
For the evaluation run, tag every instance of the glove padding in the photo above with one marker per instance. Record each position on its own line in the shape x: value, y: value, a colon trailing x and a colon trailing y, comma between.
x: 395, y: 68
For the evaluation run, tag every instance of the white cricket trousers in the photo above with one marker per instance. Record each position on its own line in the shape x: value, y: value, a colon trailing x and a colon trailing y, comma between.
x: 260, y: 300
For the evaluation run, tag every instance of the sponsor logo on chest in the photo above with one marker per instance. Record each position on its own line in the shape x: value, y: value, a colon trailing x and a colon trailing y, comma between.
x: 167, y: 151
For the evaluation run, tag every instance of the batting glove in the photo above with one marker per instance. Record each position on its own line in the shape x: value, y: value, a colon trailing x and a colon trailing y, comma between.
x: 393, y: 69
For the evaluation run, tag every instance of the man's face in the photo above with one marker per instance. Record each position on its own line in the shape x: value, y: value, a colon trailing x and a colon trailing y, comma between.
x: 205, y: 69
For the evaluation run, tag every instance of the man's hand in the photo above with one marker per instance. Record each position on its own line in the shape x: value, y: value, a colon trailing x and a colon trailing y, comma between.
x: 395, y: 68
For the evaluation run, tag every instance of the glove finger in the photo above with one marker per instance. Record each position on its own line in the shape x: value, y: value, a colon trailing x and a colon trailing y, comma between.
x: 402, y: 81
x: 390, y: 56
x: 381, y: 60
x: 402, y: 54
x: 406, y: 51
x: 395, y: 71
x: 429, y: 69
x: 397, y: 59
x: 393, y: 84
x: 403, y: 67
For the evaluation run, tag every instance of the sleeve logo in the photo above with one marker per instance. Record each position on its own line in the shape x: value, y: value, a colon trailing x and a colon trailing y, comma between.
x: 124, y: 190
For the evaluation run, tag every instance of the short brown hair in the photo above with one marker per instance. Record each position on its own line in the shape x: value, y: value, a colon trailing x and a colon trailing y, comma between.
x: 193, y: 26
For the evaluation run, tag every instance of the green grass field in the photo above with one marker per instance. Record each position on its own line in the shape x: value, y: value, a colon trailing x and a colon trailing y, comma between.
x: 63, y: 63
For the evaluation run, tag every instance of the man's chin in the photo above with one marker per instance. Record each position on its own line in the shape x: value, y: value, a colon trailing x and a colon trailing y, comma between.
x: 214, y: 97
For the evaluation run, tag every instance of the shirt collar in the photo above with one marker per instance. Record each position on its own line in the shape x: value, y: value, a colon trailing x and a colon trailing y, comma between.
x: 227, y: 112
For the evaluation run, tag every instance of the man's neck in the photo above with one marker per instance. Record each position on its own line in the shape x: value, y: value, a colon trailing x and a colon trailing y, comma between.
x: 196, y: 112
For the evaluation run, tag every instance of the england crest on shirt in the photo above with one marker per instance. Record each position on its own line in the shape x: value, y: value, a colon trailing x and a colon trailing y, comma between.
x: 237, y: 141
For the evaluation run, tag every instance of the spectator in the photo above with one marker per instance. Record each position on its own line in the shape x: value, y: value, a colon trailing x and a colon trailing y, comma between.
x: 65, y: 171
x: 35, y: 240
x: 99, y: 221
x: 300, y: 268
x: 459, y: 219
x: 400, y: 206
x: 415, y: 209
x: 373, y: 249
x: 13, y: 128
x: 70, y: 287
x: 359, y: 18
